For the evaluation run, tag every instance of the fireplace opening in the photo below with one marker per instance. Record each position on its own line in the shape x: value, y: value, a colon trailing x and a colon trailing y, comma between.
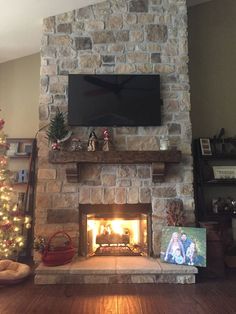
x: 115, y: 230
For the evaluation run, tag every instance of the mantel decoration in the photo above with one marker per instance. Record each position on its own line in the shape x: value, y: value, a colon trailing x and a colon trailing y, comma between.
x: 92, y: 142
x: 58, y: 132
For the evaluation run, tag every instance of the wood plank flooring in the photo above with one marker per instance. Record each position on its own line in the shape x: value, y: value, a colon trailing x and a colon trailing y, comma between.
x: 216, y: 296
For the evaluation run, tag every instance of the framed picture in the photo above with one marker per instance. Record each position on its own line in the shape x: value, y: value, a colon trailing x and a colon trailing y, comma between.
x: 184, y: 246
x: 224, y: 172
x: 13, y: 148
x: 205, y: 146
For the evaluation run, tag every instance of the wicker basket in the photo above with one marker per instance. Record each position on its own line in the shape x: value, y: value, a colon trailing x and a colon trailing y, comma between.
x: 58, y: 255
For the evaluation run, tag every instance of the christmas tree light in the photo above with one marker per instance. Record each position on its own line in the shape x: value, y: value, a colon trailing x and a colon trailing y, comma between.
x: 12, y: 218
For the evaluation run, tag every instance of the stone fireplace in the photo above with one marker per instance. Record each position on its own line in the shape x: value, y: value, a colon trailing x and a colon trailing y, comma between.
x: 116, y: 36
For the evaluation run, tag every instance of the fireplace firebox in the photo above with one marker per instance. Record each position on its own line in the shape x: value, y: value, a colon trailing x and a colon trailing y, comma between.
x: 115, y: 230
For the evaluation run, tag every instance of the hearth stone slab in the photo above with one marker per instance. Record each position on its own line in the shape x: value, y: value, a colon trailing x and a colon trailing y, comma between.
x: 114, y: 269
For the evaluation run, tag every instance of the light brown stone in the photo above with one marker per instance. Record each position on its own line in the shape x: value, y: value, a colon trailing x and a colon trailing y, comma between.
x: 136, y: 36
x: 67, y: 17
x: 54, y: 186
x: 84, y: 195
x: 90, y: 61
x: 133, y: 195
x: 84, y: 13
x: 164, y: 68
x: 145, y: 18
x: 64, y: 28
x: 109, y: 195
x: 144, y: 172
x: 120, y: 196
x: 157, y: 33
x: 102, y: 37
x: 164, y: 192
x: 48, y: 69
x: 65, y: 200
x: 125, y: 68
x: 122, y: 36
x: 127, y: 171
x: 49, y: 24
x: 108, y: 180
x: 145, y: 195
x: 47, y: 174
x: 96, y: 195
x: 43, y: 200
x: 59, y: 40
x: 144, y: 68
x: 130, y: 19
x: 94, y: 25
x: 115, y: 22
x: 116, y: 48
x: 143, y: 143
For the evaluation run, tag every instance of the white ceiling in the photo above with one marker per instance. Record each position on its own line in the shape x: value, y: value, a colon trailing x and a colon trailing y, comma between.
x: 21, y: 20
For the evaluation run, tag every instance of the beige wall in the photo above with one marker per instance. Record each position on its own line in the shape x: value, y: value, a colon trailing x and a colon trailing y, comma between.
x: 19, y: 95
x: 212, y: 52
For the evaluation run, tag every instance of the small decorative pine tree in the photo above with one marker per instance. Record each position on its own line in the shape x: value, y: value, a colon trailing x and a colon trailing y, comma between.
x: 12, y: 219
x: 57, y: 129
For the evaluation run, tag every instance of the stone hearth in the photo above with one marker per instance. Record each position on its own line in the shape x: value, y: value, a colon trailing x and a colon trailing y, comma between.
x: 111, y: 269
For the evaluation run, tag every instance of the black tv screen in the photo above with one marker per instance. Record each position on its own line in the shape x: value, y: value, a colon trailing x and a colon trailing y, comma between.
x: 114, y: 100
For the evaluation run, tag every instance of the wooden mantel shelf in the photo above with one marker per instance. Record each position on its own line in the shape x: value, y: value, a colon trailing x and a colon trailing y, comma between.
x: 158, y: 159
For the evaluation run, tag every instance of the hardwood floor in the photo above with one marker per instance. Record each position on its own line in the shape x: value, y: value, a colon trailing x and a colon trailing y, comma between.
x: 208, y: 296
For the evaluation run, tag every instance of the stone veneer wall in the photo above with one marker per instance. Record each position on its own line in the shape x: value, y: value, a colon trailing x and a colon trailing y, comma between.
x: 120, y: 36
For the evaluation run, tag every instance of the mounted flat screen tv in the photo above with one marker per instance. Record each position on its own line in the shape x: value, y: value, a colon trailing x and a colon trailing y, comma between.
x: 114, y: 100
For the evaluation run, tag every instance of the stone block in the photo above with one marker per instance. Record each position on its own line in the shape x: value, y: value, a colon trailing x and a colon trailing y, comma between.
x: 145, y: 195
x: 174, y: 128
x: 144, y: 172
x: 129, y: 19
x: 108, y: 59
x: 69, y: 188
x: 120, y: 196
x: 90, y: 61
x: 57, y: 88
x: 108, y: 180
x: 156, y: 57
x: 143, y: 143
x: 146, y: 18
x: 54, y: 186
x: 49, y: 24
x: 115, y: 22
x: 47, y: 174
x: 84, y: 13
x: 67, y: 17
x: 144, y: 68
x: 116, y: 48
x: 43, y: 200
x: 61, y: 216
x: 65, y: 200
x: 109, y: 195
x: 125, y: 68
x: 64, y: 28
x: 164, y: 68
x: 133, y: 195
x: 103, y: 37
x: 156, y: 33
x: 136, y: 36
x: 122, y: 36
x: 43, y: 112
x: 59, y: 40
x: 138, y: 6
x: 96, y: 195
x: 83, y: 43
x: 94, y: 25
x: 84, y: 195
x: 164, y: 192
x: 48, y: 70
x: 127, y: 171
x: 124, y: 182
x: 137, y: 57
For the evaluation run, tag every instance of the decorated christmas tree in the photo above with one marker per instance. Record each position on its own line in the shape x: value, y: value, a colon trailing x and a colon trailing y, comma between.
x: 12, y: 218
